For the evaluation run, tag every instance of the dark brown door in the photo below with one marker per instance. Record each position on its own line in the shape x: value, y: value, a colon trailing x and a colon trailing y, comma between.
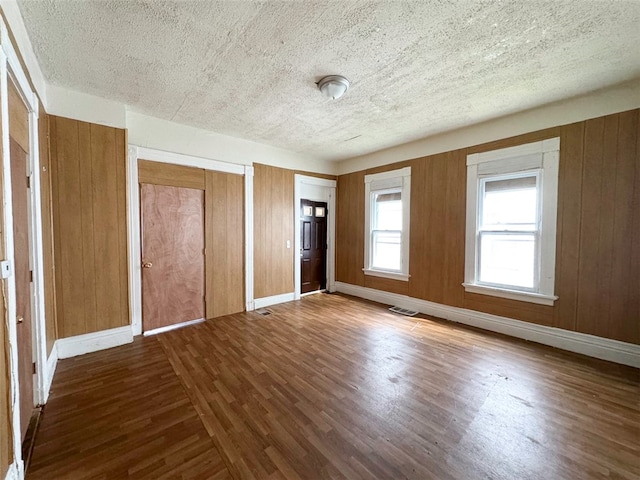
x: 172, y: 255
x: 313, y: 246
x: 19, y: 196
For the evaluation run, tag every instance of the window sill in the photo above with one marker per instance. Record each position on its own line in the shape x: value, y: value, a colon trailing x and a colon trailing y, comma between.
x: 392, y: 275
x: 511, y: 294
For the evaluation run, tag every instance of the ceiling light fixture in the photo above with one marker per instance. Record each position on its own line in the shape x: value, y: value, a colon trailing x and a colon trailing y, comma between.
x: 333, y: 86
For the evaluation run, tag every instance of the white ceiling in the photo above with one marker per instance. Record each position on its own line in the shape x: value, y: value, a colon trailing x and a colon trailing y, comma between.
x: 248, y: 69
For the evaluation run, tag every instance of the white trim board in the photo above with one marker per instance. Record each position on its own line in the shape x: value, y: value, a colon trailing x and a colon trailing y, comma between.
x: 52, y: 363
x: 15, y: 471
x: 317, y: 190
x: 94, y: 342
x: 598, y: 347
x: 273, y: 300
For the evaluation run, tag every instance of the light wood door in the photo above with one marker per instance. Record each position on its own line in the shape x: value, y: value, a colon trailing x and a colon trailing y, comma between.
x: 173, y: 272
x: 313, y: 246
x: 19, y: 194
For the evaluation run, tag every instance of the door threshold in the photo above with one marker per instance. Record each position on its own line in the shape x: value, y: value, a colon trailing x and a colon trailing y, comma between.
x: 324, y: 290
x: 168, y: 328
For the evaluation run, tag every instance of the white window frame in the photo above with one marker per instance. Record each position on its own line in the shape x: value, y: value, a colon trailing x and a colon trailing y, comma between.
x: 377, y: 183
x: 543, y: 157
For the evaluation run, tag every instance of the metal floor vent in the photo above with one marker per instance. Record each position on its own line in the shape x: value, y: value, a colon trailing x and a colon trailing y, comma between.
x: 403, y: 311
x: 263, y: 311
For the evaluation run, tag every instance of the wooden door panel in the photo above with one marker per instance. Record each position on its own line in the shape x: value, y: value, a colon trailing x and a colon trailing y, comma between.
x: 313, y: 233
x: 23, y: 283
x: 173, y: 242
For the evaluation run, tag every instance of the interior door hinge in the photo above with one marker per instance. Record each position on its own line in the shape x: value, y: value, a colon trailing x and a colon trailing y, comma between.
x: 30, y: 276
x: 35, y: 369
x: 28, y: 182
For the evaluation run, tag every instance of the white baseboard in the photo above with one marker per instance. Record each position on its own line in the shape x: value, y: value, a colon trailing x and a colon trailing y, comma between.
x: 598, y: 347
x: 267, y: 301
x: 15, y: 472
x: 50, y: 370
x: 93, y: 342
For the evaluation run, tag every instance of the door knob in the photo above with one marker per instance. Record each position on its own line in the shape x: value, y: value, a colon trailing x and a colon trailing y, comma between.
x: 147, y: 264
x: 20, y: 319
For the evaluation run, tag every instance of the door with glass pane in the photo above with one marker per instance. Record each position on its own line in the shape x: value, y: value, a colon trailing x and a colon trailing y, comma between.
x: 313, y: 246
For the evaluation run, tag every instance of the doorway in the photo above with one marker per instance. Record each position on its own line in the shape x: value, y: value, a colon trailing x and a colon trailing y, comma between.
x: 19, y: 197
x: 323, y: 192
x: 173, y: 256
x: 313, y: 246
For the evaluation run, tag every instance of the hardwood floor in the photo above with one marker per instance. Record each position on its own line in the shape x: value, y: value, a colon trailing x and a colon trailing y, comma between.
x: 122, y: 413
x: 332, y: 387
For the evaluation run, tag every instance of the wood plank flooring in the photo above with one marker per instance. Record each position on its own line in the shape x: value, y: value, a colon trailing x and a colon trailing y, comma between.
x: 122, y: 413
x: 333, y: 387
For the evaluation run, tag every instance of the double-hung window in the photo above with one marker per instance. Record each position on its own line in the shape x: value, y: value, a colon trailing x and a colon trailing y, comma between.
x: 511, y: 222
x: 387, y: 207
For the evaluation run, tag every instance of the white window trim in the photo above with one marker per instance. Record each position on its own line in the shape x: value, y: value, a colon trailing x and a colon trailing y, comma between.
x: 380, y: 181
x: 544, y: 155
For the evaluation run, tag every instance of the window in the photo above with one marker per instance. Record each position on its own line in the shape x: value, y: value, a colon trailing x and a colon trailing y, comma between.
x: 387, y: 207
x: 511, y: 222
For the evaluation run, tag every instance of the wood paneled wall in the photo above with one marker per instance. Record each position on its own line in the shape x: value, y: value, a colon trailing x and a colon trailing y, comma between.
x: 89, y: 224
x: 224, y: 229
x: 598, y: 242
x: 273, y: 196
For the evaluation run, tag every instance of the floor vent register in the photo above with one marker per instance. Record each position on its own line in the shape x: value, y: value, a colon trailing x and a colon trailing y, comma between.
x: 403, y: 311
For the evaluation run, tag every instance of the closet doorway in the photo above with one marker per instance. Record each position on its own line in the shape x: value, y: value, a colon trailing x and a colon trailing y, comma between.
x: 173, y: 261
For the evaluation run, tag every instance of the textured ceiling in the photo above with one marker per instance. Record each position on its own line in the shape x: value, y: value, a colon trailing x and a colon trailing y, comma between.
x: 248, y: 69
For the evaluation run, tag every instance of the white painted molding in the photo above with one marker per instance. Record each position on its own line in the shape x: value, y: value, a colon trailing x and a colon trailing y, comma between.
x: 188, y: 160
x: 50, y: 370
x: 510, y: 294
x: 537, y: 158
x: 176, y: 326
x: 274, y: 300
x: 9, y: 252
x: 133, y: 240
x: 403, y: 277
x: 94, y: 342
x: 399, y: 178
x: 14, y: 19
x: 15, y: 68
x: 598, y: 347
x: 248, y: 239
x: 390, y: 175
x: 317, y: 190
x: 15, y: 471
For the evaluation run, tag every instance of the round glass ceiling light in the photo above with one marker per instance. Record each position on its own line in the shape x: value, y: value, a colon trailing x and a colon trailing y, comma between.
x: 333, y: 86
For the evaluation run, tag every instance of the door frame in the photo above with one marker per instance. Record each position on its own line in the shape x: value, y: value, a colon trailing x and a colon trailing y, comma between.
x: 318, y: 190
x: 135, y: 153
x: 11, y: 70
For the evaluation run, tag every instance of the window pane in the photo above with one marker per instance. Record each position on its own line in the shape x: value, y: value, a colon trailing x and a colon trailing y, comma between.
x: 510, y: 201
x: 386, y: 252
x: 507, y: 259
x: 387, y: 211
